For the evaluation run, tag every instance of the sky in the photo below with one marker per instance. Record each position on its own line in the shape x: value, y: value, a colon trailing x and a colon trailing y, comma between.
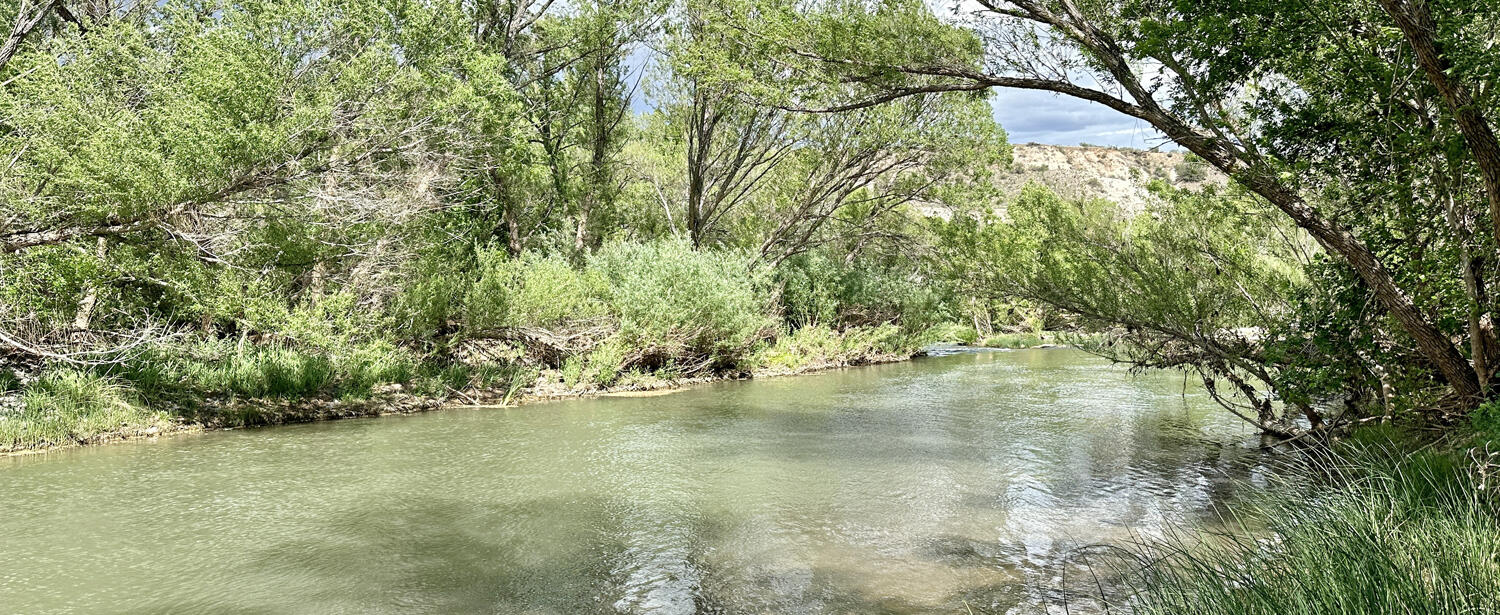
x: 1030, y: 116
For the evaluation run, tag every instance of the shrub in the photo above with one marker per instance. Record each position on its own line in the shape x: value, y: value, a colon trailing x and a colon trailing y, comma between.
x: 1191, y: 170
x: 815, y: 345
x: 818, y: 289
x: 9, y: 381
x: 530, y: 291
x: 685, y: 303
x: 1486, y: 419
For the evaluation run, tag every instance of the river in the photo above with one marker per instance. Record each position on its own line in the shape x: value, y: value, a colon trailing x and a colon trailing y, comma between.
x: 954, y: 484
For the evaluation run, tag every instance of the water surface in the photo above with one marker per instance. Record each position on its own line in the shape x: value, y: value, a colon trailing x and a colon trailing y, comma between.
x: 955, y: 484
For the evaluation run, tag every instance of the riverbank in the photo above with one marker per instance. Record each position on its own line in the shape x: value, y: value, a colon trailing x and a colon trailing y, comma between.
x: 92, y: 405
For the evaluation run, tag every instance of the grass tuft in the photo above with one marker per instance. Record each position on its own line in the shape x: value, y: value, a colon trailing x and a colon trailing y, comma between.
x: 68, y: 406
x: 1376, y: 530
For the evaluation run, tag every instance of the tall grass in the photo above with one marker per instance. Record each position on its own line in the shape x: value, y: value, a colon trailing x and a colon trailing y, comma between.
x: 268, y: 371
x: 68, y: 406
x: 1397, y: 532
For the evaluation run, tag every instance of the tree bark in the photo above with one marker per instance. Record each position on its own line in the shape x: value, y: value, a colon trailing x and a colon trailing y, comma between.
x: 25, y: 23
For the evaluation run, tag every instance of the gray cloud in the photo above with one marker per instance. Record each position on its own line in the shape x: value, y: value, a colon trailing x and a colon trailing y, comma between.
x: 1040, y: 117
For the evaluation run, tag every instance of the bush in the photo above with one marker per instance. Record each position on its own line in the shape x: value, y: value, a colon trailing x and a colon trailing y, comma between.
x: 818, y: 289
x: 678, y: 302
x: 9, y: 381
x: 66, y: 406
x: 1486, y: 420
x: 954, y: 332
x: 530, y: 291
x: 1191, y: 170
x: 822, y: 345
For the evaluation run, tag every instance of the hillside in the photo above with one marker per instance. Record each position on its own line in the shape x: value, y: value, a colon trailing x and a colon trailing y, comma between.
x: 1116, y: 174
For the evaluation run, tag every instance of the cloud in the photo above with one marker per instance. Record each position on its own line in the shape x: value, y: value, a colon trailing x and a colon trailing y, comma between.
x: 1041, y: 117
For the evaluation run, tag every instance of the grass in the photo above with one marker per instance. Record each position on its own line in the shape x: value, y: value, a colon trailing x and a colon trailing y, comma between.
x: 69, y: 406
x: 270, y: 371
x: 1378, y: 529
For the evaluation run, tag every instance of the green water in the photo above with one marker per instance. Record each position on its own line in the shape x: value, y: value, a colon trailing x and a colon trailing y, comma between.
x: 952, y: 484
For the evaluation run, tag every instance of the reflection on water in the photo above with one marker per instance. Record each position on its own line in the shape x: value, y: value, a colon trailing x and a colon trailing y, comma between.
x: 954, y: 484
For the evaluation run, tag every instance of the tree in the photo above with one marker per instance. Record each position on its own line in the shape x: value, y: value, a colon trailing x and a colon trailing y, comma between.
x: 1248, y: 87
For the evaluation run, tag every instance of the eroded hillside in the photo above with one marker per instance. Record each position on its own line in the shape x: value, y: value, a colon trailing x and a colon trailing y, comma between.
x: 1115, y: 174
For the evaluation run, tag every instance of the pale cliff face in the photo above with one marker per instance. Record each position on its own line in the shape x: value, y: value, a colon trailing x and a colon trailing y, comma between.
x: 1087, y: 172
x: 1113, y: 174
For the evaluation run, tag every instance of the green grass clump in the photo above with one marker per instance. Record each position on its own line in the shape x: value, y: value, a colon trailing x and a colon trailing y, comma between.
x: 268, y: 371
x: 1377, y: 532
x: 69, y: 406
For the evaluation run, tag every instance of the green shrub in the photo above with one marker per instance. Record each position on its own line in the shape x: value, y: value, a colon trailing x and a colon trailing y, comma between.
x: 1012, y: 340
x: 530, y: 291
x: 1486, y: 420
x: 1191, y: 169
x: 430, y: 297
x: 822, y: 345
x: 820, y: 289
x: 811, y: 289
x: 66, y: 406
x: 954, y: 332
x: 9, y: 381
x: 685, y: 303
x: 486, y: 303
x: 605, y: 361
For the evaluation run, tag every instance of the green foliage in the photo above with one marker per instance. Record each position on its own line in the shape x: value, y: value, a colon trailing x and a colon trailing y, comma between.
x: 1396, y: 533
x: 673, y: 300
x: 819, y: 289
x: 318, y: 199
x: 9, y: 381
x: 531, y: 291
x: 820, y: 345
x: 267, y: 370
x: 1191, y: 169
x: 955, y: 332
x: 1013, y: 340
x: 1485, y: 420
x: 69, y: 406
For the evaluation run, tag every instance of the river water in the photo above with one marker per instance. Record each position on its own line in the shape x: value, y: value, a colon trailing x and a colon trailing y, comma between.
x: 956, y: 484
